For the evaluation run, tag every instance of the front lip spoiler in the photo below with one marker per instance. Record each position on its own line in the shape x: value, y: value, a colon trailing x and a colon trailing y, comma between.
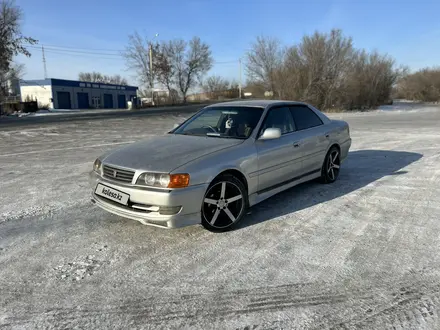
x: 162, y: 221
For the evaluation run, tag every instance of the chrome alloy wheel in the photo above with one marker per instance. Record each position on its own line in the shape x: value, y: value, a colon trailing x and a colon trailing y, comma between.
x: 223, y: 204
x: 333, y: 165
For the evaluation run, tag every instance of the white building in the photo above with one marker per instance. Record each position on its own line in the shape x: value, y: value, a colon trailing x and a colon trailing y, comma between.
x: 70, y: 94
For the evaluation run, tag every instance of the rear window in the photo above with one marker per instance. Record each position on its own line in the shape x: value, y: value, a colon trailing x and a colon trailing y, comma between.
x: 304, y: 117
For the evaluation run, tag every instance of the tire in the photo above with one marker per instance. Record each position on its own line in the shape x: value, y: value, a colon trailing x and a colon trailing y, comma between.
x: 219, y: 213
x: 332, y: 166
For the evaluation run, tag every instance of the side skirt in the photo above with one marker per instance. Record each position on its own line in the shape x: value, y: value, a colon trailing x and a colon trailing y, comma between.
x: 271, y: 191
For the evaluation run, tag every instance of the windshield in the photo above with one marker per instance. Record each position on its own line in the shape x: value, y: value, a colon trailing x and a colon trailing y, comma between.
x: 224, y: 122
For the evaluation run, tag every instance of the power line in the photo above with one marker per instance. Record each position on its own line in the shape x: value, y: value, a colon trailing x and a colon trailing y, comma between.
x: 227, y: 62
x: 81, y: 51
x: 97, y: 49
x: 101, y: 55
x: 91, y: 56
x: 74, y: 51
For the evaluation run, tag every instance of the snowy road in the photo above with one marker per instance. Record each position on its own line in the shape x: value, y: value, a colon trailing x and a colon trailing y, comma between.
x: 361, y: 253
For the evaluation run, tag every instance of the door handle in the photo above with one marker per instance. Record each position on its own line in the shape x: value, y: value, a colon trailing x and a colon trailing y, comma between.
x: 296, y: 144
x: 327, y: 135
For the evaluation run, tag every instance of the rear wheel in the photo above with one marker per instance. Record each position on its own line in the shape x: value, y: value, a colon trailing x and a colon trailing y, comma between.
x: 224, y: 204
x: 331, y: 167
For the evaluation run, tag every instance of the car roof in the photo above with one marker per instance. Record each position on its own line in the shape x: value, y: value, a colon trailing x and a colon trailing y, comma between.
x: 255, y: 103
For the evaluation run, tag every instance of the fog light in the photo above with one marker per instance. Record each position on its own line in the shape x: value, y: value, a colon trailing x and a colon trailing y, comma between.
x: 169, y: 210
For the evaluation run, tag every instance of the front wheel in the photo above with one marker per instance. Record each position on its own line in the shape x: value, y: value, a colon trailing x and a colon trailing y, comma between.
x: 330, y: 168
x: 224, y: 204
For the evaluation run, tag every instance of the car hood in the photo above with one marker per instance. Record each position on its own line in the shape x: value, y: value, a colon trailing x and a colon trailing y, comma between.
x: 167, y: 152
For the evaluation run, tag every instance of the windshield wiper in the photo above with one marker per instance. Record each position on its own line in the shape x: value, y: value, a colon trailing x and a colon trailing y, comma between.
x: 224, y: 136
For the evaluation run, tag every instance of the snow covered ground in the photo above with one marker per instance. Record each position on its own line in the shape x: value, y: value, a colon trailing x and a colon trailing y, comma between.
x: 361, y: 253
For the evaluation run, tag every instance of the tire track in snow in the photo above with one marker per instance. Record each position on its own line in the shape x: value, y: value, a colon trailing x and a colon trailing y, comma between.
x: 393, y: 304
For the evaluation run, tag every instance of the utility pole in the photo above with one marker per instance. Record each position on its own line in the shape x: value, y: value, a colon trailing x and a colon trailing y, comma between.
x: 151, y: 70
x: 44, y: 63
x: 239, y: 85
x: 151, y: 74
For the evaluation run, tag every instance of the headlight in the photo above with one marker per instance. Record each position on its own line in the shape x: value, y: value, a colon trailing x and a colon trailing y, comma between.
x: 163, y: 180
x: 97, y: 166
x: 149, y: 179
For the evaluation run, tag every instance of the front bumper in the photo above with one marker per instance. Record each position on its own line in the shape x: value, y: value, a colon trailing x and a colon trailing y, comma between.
x: 188, y: 199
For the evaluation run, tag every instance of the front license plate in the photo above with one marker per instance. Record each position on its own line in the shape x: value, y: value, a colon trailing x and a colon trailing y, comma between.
x: 112, y: 194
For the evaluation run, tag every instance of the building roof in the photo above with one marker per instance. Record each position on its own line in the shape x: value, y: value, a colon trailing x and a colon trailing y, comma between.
x: 255, y: 103
x: 75, y: 83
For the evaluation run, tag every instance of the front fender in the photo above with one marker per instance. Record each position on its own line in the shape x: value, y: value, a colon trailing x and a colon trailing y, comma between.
x: 242, y: 158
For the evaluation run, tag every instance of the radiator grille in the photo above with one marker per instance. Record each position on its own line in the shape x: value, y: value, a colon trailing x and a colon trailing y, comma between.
x: 118, y: 174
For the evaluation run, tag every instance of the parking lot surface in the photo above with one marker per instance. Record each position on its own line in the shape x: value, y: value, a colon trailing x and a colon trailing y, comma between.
x: 363, y: 252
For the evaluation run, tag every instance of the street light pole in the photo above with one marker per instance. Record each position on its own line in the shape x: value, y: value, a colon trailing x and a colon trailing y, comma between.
x: 151, y: 70
x: 239, y: 85
x: 151, y: 74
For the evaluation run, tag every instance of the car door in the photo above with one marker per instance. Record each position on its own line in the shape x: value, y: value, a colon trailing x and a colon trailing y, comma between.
x: 276, y: 161
x: 312, y: 137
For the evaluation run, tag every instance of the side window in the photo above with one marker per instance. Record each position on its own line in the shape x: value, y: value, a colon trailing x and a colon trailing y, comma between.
x: 304, y: 117
x: 279, y: 118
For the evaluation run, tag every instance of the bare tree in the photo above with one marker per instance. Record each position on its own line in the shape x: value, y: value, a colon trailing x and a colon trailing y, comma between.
x: 215, y: 84
x: 117, y: 80
x: 176, y: 63
x: 137, y: 57
x: 422, y: 85
x: 12, y: 42
x: 164, y: 69
x: 233, y: 84
x: 10, y: 79
x: 91, y: 76
x: 369, y: 81
x: 102, y: 78
x: 263, y: 61
x: 325, y: 70
x: 17, y: 71
x: 191, y: 61
x: 314, y: 69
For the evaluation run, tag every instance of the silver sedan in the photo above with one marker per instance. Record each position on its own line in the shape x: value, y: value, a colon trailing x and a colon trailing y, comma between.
x: 224, y: 159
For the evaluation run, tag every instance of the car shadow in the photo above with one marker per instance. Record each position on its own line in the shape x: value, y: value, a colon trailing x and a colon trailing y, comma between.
x: 361, y: 168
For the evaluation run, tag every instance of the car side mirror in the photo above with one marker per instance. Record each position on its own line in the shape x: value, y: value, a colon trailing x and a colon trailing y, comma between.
x: 270, y: 134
